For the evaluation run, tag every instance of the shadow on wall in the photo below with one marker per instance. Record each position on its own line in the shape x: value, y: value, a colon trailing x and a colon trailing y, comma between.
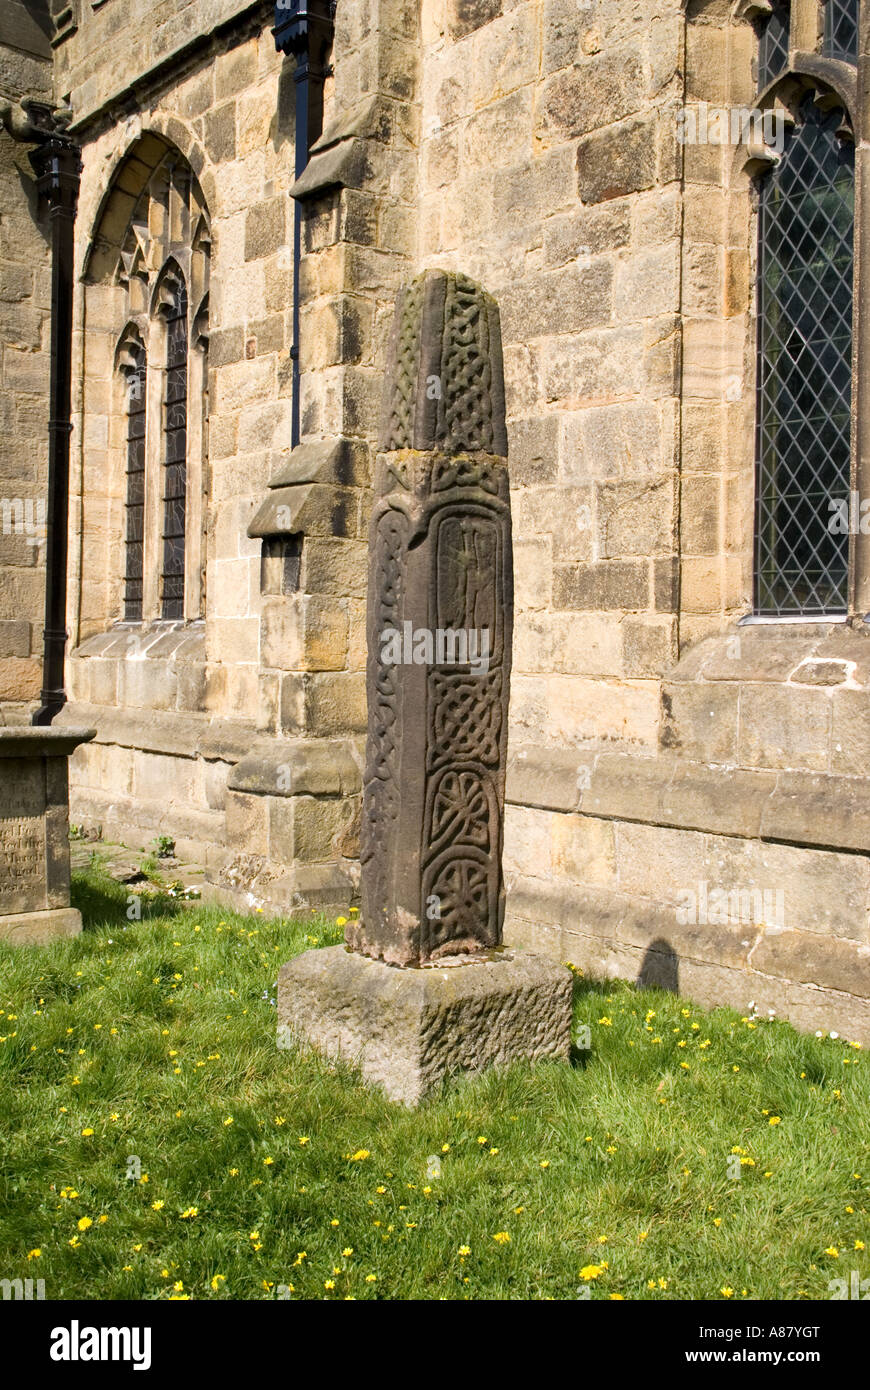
x: 660, y: 968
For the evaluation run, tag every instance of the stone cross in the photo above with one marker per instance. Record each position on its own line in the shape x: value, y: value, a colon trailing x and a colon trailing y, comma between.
x: 440, y: 622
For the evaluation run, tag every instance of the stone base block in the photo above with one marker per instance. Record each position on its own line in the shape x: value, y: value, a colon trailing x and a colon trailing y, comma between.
x: 408, y: 1029
x: 40, y: 928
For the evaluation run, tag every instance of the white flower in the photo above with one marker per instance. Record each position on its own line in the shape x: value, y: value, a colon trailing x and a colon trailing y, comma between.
x: 835, y: 1035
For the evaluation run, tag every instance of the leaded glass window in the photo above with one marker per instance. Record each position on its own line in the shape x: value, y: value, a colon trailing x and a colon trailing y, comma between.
x: 135, y: 502
x: 805, y: 369
x: 841, y: 30
x: 773, y: 45
x: 175, y: 454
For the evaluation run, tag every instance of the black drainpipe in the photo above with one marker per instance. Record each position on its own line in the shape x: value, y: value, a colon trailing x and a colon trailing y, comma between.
x: 304, y: 28
x: 57, y: 165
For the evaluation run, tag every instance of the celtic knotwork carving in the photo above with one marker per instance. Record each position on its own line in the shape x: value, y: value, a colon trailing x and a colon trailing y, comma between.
x: 462, y: 888
x: 453, y: 472
x: 381, y: 793
x: 407, y: 361
x: 440, y: 618
x: 467, y: 717
x: 465, y: 407
x: 460, y: 811
x: 445, y: 377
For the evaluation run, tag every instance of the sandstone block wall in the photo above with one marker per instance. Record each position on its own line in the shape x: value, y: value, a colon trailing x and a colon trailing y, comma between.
x: 25, y: 305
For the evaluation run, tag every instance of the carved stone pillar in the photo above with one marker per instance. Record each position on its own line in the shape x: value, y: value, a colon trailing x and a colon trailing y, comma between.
x: 440, y: 617
x: 440, y: 620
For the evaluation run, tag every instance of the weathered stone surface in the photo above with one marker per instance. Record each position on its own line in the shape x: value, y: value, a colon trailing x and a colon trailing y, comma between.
x: 40, y: 928
x: 440, y: 570
x: 617, y: 161
x: 408, y: 1030
x: 34, y: 833
x: 445, y: 376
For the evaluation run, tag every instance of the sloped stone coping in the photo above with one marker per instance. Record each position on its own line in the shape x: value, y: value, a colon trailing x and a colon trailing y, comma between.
x: 816, y: 809
x: 171, y: 641
x: 315, y: 492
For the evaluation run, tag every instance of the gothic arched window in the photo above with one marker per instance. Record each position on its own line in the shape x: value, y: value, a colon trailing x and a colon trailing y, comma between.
x: 161, y: 263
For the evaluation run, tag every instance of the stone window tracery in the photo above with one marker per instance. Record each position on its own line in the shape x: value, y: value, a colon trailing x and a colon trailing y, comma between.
x: 163, y: 267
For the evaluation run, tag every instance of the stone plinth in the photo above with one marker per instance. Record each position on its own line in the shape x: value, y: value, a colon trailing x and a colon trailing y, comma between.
x: 34, y: 834
x: 407, y: 1030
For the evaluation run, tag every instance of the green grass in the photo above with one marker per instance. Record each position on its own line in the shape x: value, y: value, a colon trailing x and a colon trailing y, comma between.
x: 155, y: 1035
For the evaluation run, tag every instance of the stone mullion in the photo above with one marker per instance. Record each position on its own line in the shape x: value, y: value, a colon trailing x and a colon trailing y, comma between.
x: 806, y: 26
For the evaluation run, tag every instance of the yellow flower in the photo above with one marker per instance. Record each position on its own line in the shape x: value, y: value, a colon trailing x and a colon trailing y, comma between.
x: 159, y: 1205
x: 642, y: 1235
x: 341, y: 921
x: 334, y: 1221
x: 501, y: 1238
x: 482, y: 1139
x: 87, y: 1132
x: 75, y: 1242
x: 191, y: 1211
x: 101, y: 1220
x: 360, y: 1156
x: 371, y: 1278
x: 445, y: 1148
x: 495, y: 1151
x: 545, y: 1163
x: 833, y: 1252
x: 304, y: 1139
x: 859, y: 1245
x: 590, y: 1272
x: 84, y: 1223
x: 774, y: 1120
x: 608, y: 1022
x: 268, y: 1162
x: 34, y: 1254
x: 617, y: 1297
x: 726, y: 1292
x: 178, y: 1286
x: 217, y: 1280
x: 329, y: 1284
x: 347, y: 1252
x: 464, y: 1250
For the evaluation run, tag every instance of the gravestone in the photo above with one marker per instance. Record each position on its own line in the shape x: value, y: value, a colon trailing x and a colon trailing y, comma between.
x: 34, y: 834
x: 424, y: 986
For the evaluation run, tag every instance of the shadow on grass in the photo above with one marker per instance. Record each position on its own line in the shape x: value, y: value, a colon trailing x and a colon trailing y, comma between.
x: 104, y: 903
